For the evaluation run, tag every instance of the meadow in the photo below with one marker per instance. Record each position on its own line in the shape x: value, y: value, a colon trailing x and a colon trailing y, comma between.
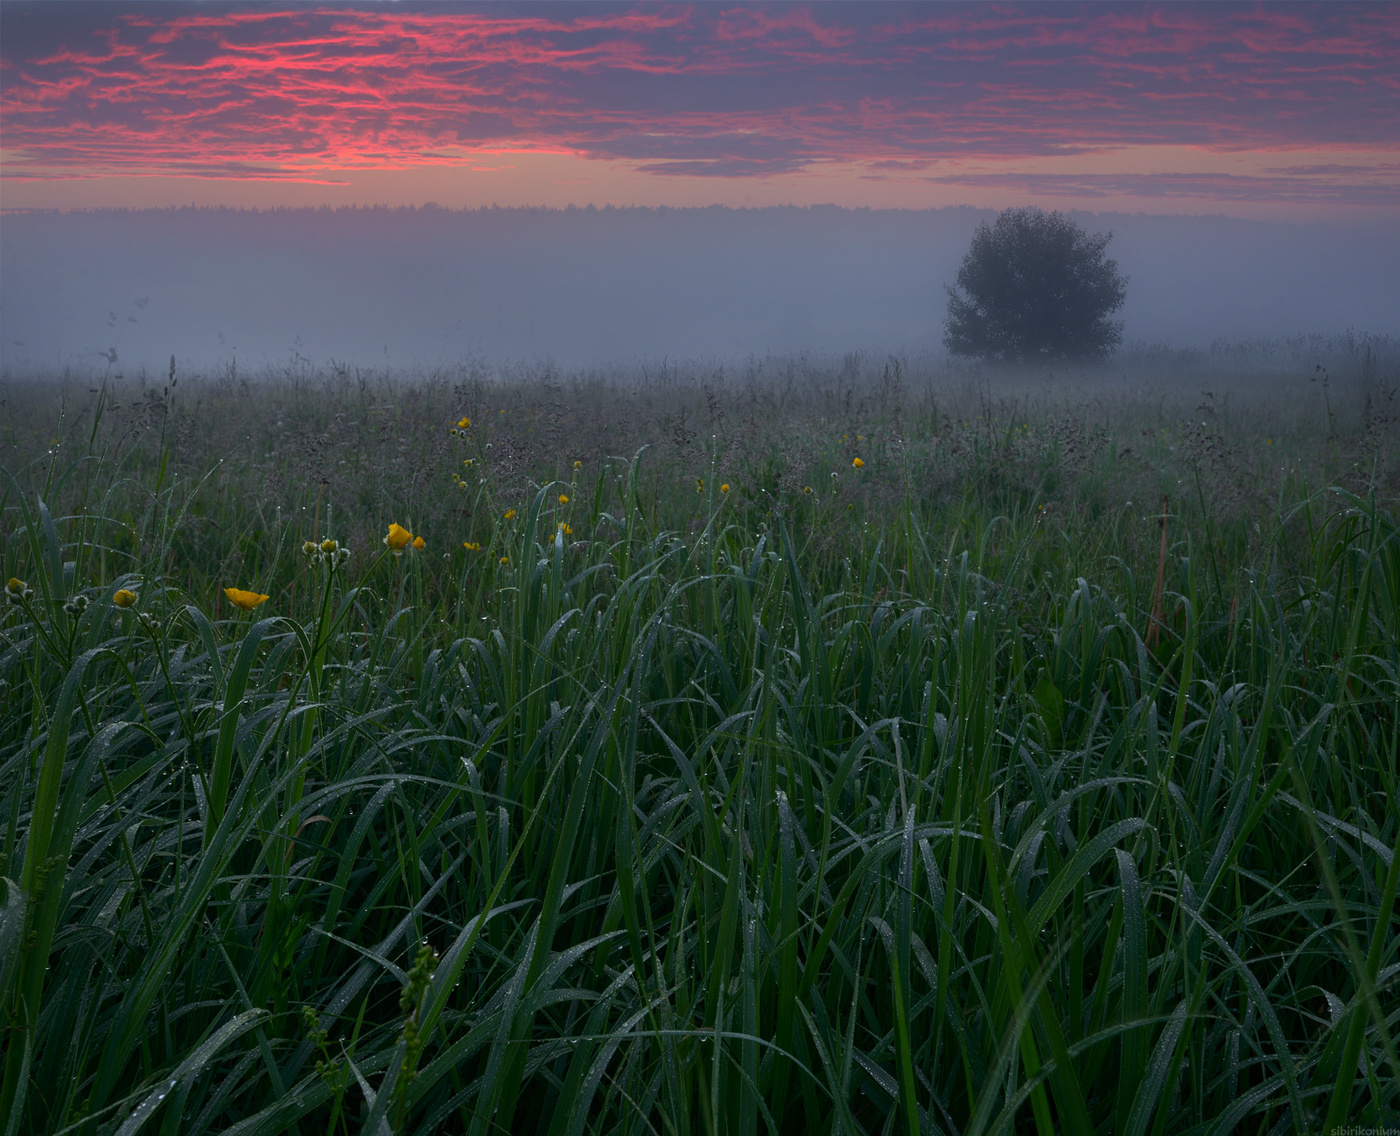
x: 861, y: 745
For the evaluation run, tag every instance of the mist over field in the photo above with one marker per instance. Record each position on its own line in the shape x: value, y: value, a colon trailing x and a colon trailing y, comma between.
x: 423, y: 287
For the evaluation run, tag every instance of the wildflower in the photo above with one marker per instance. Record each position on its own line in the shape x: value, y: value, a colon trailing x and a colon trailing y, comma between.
x: 565, y: 529
x: 467, y: 462
x: 858, y: 463
x: 419, y: 543
x: 578, y: 465
x: 309, y: 549
x: 330, y: 547
x: 16, y: 590
x: 699, y: 485
x: 462, y: 485
x: 397, y: 538
x: 471, y: 546
x: 563, y: 498
x: 807, y: 489
x: 463, y: 423
x: 124, y: 598
x: 510, y: 514
x: 505, y: 559
x: 724, y: 488
x: 247, y: 601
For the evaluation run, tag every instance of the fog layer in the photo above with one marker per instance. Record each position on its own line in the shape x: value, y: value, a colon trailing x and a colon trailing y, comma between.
x: 581, y: 286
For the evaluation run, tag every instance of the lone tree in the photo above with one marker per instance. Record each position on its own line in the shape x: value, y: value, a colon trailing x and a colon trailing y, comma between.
x: 1035, y: 287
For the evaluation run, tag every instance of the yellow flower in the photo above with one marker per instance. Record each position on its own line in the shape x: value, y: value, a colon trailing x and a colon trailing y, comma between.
x: 510, y: 514
x: 328, y: 546
x: 419, y: 543
x: 248, y: 600
x: 397, y: 538
x: 724, y: 488
x: 578, y: 465
x: 563, y: 498
x: 308, y: 548
x: 699, y: 485
x: 124, y: 598
x: 565, y: 529
x: 505, y: 559
x: 858, y: 463
x: 463, y: 423
x: 467, y: 462
x: 471, y: 546
x: 806, y: 489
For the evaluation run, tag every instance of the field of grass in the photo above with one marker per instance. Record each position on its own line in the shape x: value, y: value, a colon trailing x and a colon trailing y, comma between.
x: 851, y: 747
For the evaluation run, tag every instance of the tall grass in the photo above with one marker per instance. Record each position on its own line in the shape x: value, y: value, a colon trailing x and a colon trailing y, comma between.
x: 910, y: 804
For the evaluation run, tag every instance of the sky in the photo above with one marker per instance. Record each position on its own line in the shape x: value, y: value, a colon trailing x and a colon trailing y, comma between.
x: 427, y: 182
x: 1283, y: 111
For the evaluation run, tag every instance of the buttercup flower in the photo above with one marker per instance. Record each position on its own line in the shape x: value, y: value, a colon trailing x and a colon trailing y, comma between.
x: 565, y: 529
x: 471, y: 546
x: 699, y: 485
x: 505, y: 559
x: 124, y: 598
x: 807, y: 489
x: 858, y: 463
x: 16, y: 589
x: 563, y: 498
x: 398, y: 537
x: 247, y: 601
x: 308, y: 548
x: 578, y: 465
x: 510, y: 514
x: 724, y: 488
x: 329, y: 546
x: 463, y: 423
x: 419, y: 543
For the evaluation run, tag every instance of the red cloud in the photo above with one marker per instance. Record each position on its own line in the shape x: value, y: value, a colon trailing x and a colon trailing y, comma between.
x: 737, y: 91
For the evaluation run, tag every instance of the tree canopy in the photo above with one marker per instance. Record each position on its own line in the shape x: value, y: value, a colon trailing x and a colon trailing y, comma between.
x: 1035, y: 286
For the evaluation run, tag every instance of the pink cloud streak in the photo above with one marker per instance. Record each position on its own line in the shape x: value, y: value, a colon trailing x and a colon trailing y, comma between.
x: 733, y: 91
